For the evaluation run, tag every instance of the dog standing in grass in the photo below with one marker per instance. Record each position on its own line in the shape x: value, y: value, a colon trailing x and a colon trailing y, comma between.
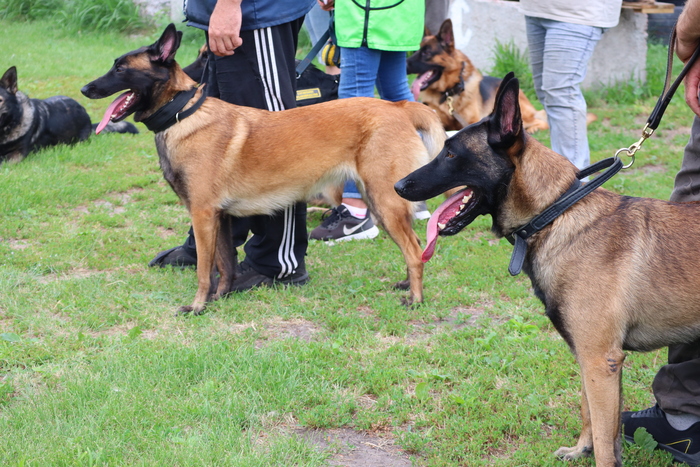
x: 614, y: 272
x: 242, y: 161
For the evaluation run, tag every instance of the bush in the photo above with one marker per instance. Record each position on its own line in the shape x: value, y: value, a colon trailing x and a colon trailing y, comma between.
x: 79, y: 15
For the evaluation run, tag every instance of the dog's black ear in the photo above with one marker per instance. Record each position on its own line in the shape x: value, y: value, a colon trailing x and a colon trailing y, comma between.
x: 9, y: 80
x: 505, y: 122
x: 163, y: 50
x: 445, y: 35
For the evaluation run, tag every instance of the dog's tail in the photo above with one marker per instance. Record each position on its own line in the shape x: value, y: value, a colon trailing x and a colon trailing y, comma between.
x: 118, y: 127
x: 429, y: 128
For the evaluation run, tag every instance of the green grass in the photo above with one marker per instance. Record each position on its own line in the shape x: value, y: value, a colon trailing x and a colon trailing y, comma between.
x: 95, y: 369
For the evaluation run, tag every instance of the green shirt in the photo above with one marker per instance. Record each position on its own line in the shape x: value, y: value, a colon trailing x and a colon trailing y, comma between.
x: 391, y: 25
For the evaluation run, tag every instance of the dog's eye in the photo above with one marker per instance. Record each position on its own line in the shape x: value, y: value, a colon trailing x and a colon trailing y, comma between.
x: 119, y: 69
x: 450, y: 155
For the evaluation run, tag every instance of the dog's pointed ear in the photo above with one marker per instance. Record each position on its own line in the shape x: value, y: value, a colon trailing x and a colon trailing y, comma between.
x: 505, y: 122
x: 163, y: 50
x: 426, y: 31
x: 446, y: 35
x: 9, y: 80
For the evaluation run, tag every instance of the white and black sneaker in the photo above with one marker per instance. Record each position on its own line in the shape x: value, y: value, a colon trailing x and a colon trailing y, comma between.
x: 341, y: 225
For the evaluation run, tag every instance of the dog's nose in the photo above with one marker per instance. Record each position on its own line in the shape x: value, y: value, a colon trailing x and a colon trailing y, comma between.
x: 87, y: 89
x: 402, y: 186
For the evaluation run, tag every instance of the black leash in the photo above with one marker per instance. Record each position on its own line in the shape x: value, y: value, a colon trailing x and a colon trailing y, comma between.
x: 579, y: 190
x: 665, y: 98
x: 574, y: 194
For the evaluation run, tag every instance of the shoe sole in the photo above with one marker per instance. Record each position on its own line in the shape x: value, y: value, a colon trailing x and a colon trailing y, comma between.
x: 364, y: 235
x: 422, y: 215
x: 693, y: 460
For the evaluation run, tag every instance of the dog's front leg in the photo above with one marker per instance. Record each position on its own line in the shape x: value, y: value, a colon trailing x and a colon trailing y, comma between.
x: 601, y: 372
x: 205, y: 223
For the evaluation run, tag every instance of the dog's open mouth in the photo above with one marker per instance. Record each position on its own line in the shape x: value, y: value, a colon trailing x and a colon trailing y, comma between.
x: 118, y: 109
x: 449, y: 218
x: 424, y: 80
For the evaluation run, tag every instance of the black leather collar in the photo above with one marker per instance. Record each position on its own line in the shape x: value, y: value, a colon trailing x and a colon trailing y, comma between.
x: 573, y: 195
x: 171, y: 113
x: 457, y: 89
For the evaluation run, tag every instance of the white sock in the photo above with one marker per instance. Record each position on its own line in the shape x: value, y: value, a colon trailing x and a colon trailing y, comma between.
x: 360, y: 213
x: 682, y: 422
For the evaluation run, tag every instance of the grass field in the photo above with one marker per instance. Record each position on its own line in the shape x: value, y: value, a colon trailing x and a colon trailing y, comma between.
x: 96, y: 369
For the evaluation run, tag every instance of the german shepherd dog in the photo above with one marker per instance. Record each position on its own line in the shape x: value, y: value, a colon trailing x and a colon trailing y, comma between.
x: 27, y: 125
x: 614, y: 272
x: 228, y: 159
x: 449, y: 83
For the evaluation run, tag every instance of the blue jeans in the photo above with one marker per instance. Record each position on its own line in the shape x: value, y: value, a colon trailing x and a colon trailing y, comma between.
x: 559, y: 54
x: 363, y: 69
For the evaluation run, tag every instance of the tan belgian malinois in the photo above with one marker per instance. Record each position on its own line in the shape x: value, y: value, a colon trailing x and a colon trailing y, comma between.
x: 614, y: 272
x: 225, y: 159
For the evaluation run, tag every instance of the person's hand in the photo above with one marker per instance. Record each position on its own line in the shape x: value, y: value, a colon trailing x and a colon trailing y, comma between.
x: 692, y: 87
x: 225, y: 27
x: 687, y: 40
x: 326, y: 5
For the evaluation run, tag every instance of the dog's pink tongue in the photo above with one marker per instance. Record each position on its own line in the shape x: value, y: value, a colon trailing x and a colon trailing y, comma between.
x: 446, y: 211
x: 418, y: 82
x: 110, y: 111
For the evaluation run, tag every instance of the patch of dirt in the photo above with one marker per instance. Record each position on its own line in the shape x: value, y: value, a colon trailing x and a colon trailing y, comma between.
x: 17, y: 244
x: 277, y: 328
x: 77, y: 273
x: 356, y: 448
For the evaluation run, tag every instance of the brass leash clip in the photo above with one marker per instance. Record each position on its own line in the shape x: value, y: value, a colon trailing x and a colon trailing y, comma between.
x: 646, y: 133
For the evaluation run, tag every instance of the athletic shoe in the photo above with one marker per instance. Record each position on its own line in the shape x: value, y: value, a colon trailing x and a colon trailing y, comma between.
x: 422, y: 211
x: 684, y: 445
x: 179, y: 256
x: 249, y: 278
x: 341, y: 225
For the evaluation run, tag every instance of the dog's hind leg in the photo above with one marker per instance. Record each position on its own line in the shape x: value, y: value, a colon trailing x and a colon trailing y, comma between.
x: 584, y: 447
x: 601, y: 372
x: 205, y: 223
x: 226, y: 256
x: 396, y: 216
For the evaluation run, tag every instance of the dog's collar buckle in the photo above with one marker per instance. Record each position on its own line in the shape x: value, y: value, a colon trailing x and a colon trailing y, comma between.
x: 574, y: 194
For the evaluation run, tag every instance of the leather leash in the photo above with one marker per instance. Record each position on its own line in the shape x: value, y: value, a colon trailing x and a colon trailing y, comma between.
x: 665, y: 98
x: 579, y: 190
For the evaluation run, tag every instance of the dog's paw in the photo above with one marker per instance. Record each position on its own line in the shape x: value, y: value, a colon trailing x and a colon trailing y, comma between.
x: 187, y: 310
x: 575, y: 452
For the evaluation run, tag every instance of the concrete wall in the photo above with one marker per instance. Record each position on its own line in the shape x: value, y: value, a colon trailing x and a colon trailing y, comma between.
x: 619, y: 56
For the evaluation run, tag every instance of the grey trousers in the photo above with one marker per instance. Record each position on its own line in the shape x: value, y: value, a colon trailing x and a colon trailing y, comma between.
x: 677, y: 384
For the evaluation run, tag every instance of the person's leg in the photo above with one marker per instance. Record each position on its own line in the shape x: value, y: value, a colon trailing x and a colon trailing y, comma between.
x: 350, y: 220
x: 536, y: 34
x: 359, y: 68
x: 675, y: 421
x: 567, y: 49
x: 392, y: 80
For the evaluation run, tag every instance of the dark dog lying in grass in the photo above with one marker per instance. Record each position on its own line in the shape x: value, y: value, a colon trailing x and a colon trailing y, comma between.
x: 27, y: 125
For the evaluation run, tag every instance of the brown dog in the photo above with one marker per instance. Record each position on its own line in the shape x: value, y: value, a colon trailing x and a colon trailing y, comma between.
x: 449, y: 83
x: 227, y: 159
x: 614, y: 273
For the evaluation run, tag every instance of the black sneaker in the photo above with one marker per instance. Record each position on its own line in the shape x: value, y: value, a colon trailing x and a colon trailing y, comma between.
x: 684, y: 445
x: 341, y: 225
x: 179, y: 256
x: 249, y: 278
